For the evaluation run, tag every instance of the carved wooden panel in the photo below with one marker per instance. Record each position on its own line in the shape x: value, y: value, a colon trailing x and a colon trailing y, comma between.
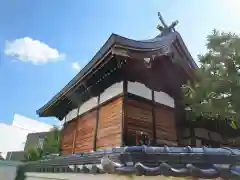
x: 109, y: 125
x: 67, y: 136
x: 138, y: 118
x: 165, y: 123
x: 85, y: 132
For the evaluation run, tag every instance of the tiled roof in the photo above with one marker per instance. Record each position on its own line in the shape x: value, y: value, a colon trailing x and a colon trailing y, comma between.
x: 149, y: 161
x: 147, y: 45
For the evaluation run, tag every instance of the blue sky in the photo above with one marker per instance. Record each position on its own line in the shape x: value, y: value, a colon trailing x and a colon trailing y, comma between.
x: 44, y: 43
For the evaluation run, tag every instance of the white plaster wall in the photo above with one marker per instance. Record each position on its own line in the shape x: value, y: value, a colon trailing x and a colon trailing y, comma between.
x: 8, y: 170
x: 164, y: 98
x: 72, y: 114
x: 111, y: 92
x: 7, y: 173
x: 91, y: 103
x: 13, y: 137
x: 79, y: 176
x: 139, y: 90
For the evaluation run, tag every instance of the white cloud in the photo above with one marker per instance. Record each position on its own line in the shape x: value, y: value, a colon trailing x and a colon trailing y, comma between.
x: 76, y: 66
x: 29, y: 50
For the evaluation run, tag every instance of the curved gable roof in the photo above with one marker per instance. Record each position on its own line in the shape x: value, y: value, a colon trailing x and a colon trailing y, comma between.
x: 157, y: 42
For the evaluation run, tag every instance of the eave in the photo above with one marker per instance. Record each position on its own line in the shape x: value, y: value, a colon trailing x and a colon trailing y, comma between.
x: 108, y: 50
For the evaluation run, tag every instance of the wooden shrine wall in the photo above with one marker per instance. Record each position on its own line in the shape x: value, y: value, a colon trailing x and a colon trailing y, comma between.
x: 109, y: 124
x: 140, y: 115
x: 165, y: 125
x: 78, y: 135
x: 138, y: 118
x: 67, y: 136
x: 85, y: 132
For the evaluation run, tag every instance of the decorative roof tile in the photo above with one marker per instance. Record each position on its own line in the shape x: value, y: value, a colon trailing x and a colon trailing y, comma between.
x: 149, y: 161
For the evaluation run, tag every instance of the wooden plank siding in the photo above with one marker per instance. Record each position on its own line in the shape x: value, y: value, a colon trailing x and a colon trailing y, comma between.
x: 140, y: 116
x: 85, y: 132
x: 138, y: 119
x: 109, y: 127
x: 165, y: 124
x: 67, y: 136
x: 78, y: 135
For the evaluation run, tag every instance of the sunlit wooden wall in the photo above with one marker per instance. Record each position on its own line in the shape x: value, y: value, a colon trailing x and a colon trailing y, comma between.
x: 79, y: 134
x: 113, y: 118
x: 153, y: 119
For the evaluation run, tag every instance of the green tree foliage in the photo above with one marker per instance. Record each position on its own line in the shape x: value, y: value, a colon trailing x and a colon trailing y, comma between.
x: 33, y: 154
x: 216, y: 94
x: 51, y: 145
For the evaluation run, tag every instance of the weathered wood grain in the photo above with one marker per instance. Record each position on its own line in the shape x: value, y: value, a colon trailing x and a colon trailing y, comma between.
x: 67, y: 136
x: 109, y: 127
x: 138, y: 118
x: 165, y: 123
x: 85, y: 132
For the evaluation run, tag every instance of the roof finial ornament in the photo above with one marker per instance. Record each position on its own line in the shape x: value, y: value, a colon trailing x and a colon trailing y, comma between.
x: 164, y: 28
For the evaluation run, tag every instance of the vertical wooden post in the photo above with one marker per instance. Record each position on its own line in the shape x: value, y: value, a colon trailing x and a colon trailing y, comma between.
x: 177, y: 117
x: 61, y: 134
x: 153, y: 119
x: 96, y: 126
x: 123, y: 121
x: 75, y: 133
x: 193, y: 139
x: 74, y: 138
